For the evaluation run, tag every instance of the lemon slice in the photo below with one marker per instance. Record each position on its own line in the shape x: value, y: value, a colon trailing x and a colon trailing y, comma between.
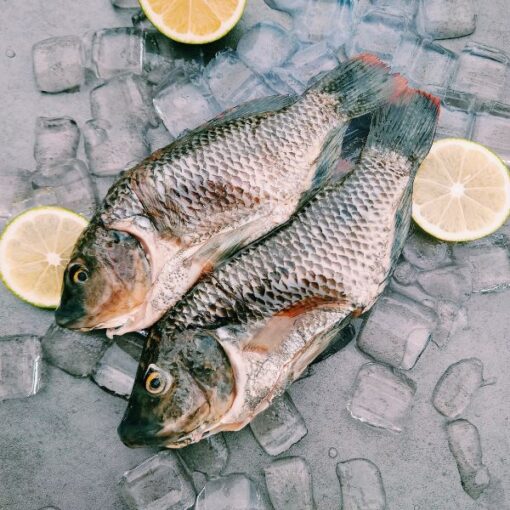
x: 193, y: 21
x: 34, y: 250
x: 461, y: 191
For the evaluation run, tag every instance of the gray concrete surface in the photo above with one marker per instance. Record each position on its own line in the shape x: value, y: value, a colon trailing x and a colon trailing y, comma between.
x: 60, y: 446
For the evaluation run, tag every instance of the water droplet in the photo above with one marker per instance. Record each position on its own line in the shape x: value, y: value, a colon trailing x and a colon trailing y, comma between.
x: 10, y: 53
x: 333, y: 453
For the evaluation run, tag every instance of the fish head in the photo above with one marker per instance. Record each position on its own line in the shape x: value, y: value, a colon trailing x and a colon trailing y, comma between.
x: 107, y: 276
x: 182, y: 389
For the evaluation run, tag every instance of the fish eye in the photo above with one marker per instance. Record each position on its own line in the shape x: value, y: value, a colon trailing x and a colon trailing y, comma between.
x: 156, y: 381
x: 78, y: 274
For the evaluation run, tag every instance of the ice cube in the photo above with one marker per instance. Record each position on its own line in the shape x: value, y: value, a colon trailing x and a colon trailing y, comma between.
x: 279, y: 427
x: 117, y: 50
x: 232, y: 82
x: 464, y: 443
x: 426, y: 64
x: 16, y: 186
x: 304, y: 65
x: 397, y: 331
x: 124, y: 99
x: 289, y: 484
x: 451, y: 318
x: 209, y: 456
x: 231, y: 492
x: 405, y: 8
x: 58, y: 63
x: 456, y: 115
x: 56, y: 139
x: 102, y: 185
x: 20, y: 366
x: 361, y: 485
x: 265, y: 46
x: 116, y: 371
x: 71, y: 184
x: 111, y: 149
x: 183, y: 104
x: 76, y: 353
x: 446, y: 20
x: 491, y: 128
x: 126, y: 4
x: 159, y: 137
x: 282, y: 81
x: 490, y: 266
x: 481, y: 71
x: 433, y: 66
x: 424, y: 252
x: 289, y: 6
x: 158, y: 483
x: 163, y: 57
x: 381, y: 397
x: 450, y: 282
x: 379, y: 31
x: 455, y: 388
x: 329, y: 20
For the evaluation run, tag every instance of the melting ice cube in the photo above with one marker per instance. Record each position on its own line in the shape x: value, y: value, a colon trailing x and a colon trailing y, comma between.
x: 56, y: 139
x: 361, y: 485
x: 231, y: 492
x: 116, y: 371
x: 111, y: 149
x: 481, y: 71
x: 183, y: 104
x: 397, y: 331
x: 445, y: 20
x: 491, y: 127
x: 159, y: 483
x: 265, y: 46
x: 209, y: 456
x: 455, y: 388
x: 124, y: 99
x: 464, y: 443
x: 58, y: 63
x: 279, y: 427
x: 71, y: 184
x: 20, y: 366
x: 381, y: 397
x: 232, y: 82
x: 289, y: 484
x: 76, y: 353
x: 117, y: 50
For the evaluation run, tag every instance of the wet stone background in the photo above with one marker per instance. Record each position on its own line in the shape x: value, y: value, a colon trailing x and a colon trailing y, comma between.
x: 445, y: 415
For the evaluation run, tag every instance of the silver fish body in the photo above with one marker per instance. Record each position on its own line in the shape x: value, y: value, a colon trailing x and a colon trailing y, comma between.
x: 192, y: 204
x: 276, y: 306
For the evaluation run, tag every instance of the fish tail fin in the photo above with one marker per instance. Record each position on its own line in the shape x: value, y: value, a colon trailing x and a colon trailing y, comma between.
x: 360, y: 85
x: 406, y: 125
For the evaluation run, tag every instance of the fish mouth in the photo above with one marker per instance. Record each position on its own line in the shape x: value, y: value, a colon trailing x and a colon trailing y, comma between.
x: 70, y: 316
x: 137, y: 435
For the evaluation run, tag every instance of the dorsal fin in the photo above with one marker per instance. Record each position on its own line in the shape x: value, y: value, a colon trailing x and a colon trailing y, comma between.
x: 255, y: 107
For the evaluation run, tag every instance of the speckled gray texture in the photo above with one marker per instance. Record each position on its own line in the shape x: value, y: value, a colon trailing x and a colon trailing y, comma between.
x: 60, y: 447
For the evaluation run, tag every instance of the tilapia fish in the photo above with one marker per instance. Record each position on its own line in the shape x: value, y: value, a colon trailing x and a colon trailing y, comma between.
x: 249, y: 329
x: 181, y: 211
